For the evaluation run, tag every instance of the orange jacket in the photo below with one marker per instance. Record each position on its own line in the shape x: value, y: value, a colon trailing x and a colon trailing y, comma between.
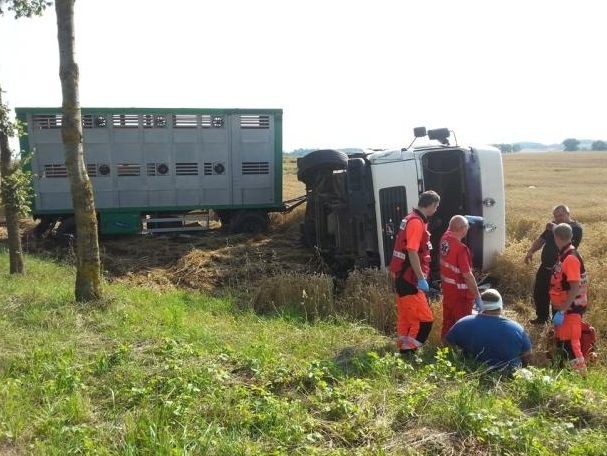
x: 413, y: 234
x: 569, y: 268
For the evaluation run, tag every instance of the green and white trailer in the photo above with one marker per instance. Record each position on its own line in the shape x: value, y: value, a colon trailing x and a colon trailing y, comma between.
x: 151, y: 167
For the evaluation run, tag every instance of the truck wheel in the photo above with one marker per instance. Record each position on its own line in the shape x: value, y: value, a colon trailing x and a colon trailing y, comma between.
x: 249, y: 222
x: 309, y: 165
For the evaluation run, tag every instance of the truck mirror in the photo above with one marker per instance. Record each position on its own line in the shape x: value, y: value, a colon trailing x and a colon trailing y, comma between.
x: 439, y: 134
x: 419, y: 132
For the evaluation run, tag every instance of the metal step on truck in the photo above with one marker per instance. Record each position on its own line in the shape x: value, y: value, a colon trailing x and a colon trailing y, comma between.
x: 355, y: 203
x: 160, y: 169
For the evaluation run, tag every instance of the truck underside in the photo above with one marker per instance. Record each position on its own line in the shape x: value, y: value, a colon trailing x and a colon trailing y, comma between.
x: 341, y: 220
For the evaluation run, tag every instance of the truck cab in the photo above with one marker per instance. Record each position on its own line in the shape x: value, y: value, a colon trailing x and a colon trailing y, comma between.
x: 356, y: 202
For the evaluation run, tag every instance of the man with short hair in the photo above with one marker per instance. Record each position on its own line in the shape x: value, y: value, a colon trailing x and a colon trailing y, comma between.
x: 458, y: 284
x: 545, y: 241
x: 568, y: 295
x: 409, y: 267
x: 491, y: 338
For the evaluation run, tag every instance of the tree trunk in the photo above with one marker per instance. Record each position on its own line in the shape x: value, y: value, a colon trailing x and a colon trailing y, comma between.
x: 10, y: 213
x: 88, y: 266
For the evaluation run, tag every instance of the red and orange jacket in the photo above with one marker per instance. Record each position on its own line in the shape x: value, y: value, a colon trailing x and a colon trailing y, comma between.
x: 569, y: 268
x: 412, y: 235
x: 455, y: 261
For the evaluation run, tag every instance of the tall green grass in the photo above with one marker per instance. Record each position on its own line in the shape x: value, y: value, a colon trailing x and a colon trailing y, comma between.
x: 148, y: 372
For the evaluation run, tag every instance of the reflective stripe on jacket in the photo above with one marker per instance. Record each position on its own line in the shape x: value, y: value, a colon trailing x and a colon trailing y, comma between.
x: 559, y: 283
x: 400, y: 265
x: 451, y: 250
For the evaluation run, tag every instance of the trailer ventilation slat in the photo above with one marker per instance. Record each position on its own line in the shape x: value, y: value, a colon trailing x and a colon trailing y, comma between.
x: 205, y: 121
x: 254, y: 122
x: 55, y: 170
x: 46, y: 121
x: 91, y: 169
x: 154, y: 121
x: 128, y: 169
x: 208, y: 169
x: 255, y: 168
x: 125, y: 120
x: 186, y: 169
x: 185, y: 120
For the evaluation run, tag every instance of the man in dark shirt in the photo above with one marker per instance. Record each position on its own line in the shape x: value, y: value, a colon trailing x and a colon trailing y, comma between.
x: 549, y: 257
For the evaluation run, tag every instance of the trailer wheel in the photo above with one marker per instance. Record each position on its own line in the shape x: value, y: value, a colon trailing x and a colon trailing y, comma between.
x: 67, y: 226
x: 310, y: 164
x: 249, y: 222
x: 45, y: 226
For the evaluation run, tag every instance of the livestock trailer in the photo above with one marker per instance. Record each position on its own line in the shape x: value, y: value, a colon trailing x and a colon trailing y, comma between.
x: 152, y: 166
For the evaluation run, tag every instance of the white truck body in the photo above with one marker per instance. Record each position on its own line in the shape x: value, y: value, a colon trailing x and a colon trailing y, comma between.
x: 356, y: 202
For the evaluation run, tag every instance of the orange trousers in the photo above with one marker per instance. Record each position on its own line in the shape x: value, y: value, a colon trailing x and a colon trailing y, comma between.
x: 570, y: 335
x: 414, y: 320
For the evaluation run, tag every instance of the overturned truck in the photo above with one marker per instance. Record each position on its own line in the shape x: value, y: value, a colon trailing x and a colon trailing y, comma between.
x: 355, y: 202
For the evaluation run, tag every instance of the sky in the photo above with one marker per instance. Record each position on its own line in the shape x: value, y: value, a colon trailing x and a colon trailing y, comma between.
x: 346, y: 73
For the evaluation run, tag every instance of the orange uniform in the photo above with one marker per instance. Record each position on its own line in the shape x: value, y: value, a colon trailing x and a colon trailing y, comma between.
x: 414, y: 316
x: 455, y: 261
x: 570, y: 268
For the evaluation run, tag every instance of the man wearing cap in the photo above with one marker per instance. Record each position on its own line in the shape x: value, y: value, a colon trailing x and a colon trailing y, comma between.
x: 491, y: 338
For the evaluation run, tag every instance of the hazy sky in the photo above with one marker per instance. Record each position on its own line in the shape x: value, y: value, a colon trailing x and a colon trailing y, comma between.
x: 346, y: 73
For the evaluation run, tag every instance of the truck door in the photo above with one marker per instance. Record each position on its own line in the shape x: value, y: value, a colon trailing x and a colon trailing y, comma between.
x: 396, y: 192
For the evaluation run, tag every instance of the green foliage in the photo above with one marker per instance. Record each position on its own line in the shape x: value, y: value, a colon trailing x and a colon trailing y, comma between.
x: 571, y: 144
x: 599, y: 145
x: 25, y: 8
x: 508, y: 148
x: 16, y: 190
x: 182, y: 373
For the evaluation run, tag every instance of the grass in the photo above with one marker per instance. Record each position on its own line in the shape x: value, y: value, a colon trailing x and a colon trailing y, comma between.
x: 174, y: 372
x: 300, y: 371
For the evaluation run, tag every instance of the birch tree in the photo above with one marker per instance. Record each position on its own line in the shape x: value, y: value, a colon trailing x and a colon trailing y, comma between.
x: 88, y: 265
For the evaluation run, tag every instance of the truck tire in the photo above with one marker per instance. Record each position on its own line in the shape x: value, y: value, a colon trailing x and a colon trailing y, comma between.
x: 309, y: 165
x: 249, y: 222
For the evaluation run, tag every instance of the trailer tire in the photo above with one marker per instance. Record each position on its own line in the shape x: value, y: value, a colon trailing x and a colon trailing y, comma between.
x: 67, y: 227
x: 249, y: 222
x: 309, y: 165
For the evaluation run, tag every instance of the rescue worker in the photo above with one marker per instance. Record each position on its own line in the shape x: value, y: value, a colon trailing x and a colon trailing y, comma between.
x: 568, y: 296
x: 458, y: 284
x: 491, y: 338
x: 409, y: 267
x: 545, y: 242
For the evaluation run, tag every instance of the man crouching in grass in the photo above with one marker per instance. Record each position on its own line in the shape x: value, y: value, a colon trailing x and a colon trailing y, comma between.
x: 491, y: 338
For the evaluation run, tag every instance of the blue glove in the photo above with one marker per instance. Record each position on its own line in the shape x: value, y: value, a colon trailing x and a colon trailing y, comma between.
x: 478, y: 304
x: 558, y: 318
x: 422, y: 284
